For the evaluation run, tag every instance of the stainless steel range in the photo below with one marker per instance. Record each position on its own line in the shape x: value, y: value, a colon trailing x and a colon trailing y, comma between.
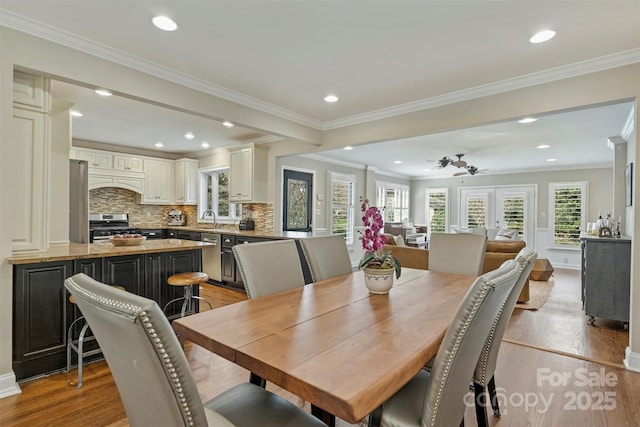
x: 103, y: 226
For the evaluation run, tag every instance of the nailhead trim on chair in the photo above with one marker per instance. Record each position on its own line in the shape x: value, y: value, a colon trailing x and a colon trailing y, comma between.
x: 168, y: 365
x: 452, y: 353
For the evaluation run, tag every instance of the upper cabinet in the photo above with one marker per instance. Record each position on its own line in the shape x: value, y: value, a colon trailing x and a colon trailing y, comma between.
x: 95, y: 159
x: 248, y: 175
x: 125, y: 162
x: 186, y: 182
x: 158, y: 186
x: 31, y: 92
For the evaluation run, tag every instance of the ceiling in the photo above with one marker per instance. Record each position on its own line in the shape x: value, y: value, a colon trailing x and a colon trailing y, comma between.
x: 380, y: 57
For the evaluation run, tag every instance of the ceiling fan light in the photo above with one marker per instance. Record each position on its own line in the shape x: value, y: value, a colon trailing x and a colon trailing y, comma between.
x: 527, y: 120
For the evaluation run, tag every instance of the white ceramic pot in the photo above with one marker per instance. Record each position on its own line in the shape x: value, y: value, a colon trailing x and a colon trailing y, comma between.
x: 378, y: 280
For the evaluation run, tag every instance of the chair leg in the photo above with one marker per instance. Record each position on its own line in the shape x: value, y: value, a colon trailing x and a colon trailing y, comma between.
x: 493, y: 396
x: 83, y: 331
x: 257, y: 380
x: 481, y: 405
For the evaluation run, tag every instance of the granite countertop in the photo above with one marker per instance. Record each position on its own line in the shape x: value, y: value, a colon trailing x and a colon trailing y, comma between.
x: 104, y: 249
x: 250, y: 233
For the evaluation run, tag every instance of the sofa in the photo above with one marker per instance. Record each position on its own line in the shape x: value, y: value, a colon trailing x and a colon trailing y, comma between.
x: 497, y: 252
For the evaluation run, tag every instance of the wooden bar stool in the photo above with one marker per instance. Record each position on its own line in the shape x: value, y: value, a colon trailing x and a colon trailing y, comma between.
x: 77, y: 344
x: 187, y: 281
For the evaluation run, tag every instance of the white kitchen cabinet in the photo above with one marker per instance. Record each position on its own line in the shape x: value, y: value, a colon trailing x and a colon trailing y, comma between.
x: 125, y: 162
x: 31, y: 92
x: 30, y: 154
x: 186, y: 181
x: 158, y: 185
x: 248, y: 175
x: 95, y: 158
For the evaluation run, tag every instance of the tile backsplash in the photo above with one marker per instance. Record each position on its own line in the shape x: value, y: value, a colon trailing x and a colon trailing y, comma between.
x: 119, y: 200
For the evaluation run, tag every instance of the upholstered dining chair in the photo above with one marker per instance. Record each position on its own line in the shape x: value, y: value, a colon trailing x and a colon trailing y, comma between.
x: 457, y: 253
x: 326, y: 256
x: 483, y: 377
x: 435, y: 398
x: 152, y: 373
x: 269, y: 267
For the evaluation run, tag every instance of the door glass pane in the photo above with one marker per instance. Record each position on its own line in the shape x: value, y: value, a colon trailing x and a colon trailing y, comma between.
x: 298, y: 195
x: 513, y: 213
x: 476, y: 212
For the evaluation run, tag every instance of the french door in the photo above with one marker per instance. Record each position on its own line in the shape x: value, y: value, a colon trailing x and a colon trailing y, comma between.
x: 500, y: 207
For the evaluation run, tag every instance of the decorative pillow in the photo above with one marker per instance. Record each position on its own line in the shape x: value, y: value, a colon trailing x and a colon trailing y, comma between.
x: 507, y: 235
x: 399, y: 240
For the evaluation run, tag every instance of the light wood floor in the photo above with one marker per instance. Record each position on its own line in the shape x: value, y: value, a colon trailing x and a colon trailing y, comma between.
x: 524, y: 376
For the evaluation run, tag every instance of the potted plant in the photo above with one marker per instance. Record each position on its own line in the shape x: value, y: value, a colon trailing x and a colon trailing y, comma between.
x: 378, y: 265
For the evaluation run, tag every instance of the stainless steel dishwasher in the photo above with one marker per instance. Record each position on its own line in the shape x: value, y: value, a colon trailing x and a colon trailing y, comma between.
x: 211, y: 256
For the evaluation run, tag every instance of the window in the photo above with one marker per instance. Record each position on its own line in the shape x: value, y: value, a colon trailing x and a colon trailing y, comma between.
x: 395, y: 200
x: 437, y: 207
x: 476, y: 211
x: 567, y: 203
x: 342, y: 204
x: 214, y: 196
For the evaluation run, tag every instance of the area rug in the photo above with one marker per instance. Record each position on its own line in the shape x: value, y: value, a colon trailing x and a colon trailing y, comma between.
x: 538, y: 293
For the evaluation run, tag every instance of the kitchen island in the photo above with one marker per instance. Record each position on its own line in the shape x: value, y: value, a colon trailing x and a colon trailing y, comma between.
x: 42, y: 312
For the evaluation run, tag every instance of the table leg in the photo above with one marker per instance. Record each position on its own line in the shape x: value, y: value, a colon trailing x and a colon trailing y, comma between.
x: 324, y: 416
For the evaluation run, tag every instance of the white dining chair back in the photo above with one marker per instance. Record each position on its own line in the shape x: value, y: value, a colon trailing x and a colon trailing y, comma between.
x: 269, y: 267
x: 326, y: 257
x: 483, y: 376
x: 435, y: 398
x: 457, y: 253
x: 152, y: 373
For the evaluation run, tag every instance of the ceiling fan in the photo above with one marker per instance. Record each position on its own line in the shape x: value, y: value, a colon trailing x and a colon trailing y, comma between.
x: 471, y: 170
x: 446, y: 161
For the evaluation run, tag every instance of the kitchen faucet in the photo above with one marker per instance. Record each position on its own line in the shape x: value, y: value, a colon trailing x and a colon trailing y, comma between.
x: 210, y: 213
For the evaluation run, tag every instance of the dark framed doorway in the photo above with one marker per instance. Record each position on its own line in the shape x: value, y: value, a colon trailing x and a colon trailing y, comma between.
x: 297, y: 194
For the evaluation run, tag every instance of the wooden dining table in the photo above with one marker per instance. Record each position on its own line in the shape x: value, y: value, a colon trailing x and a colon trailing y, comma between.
x: 331, y: 342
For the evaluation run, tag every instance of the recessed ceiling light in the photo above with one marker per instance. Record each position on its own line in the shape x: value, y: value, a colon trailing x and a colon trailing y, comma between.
x: 228, y: 124
x: 427, y: 170
x: 543, y: 146
x: 76, y: 113
x: 159, y: 144
x: 165, y: 23
x: 189, y: 135
x: 542, y: 36
x: 205, y: 145
x: 348, y: 147
x: 551, y: 160
x: 527, y: 120
x: 397, y: 162
x: 331, y: 98
x: 103, y: 92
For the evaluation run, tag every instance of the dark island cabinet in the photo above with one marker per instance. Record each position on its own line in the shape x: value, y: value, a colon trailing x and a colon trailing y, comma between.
x: 39, y: 317
x: 42, y: 312
x: 126, y: 271
x: 158, y: 268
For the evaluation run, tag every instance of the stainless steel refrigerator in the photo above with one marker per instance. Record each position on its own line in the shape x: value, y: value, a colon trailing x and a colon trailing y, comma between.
x: 78, y: 201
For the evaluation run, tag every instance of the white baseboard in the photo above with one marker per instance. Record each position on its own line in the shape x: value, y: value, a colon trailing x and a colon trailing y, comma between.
x: 632, y: 360
x: 8, y: 385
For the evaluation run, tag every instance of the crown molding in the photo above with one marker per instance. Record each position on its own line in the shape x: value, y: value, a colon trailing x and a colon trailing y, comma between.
x: 20, y: 23
x: 519, y: 171
x: 324, y: 159
x: 55, y: 35
x: 602, y: 63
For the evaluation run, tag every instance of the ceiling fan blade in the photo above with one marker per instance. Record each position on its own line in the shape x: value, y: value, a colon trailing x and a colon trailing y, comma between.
x: 459, y: 173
